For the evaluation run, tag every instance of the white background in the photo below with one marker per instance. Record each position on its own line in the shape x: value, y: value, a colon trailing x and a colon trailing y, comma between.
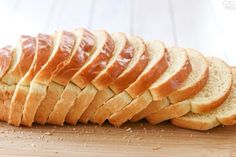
x: 206, y: 25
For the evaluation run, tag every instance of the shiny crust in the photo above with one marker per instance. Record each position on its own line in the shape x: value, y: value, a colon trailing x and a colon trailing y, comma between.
x: 145, y: 81
x: 5, y: 60
x: 59, y: 60
x: 28, y: 46
x: 116, y: 68
x: 181, y: 95
x: 78, y: 59
x: 40, y: 59
x: 89, y: 72
x: 125, y: 80
x: 173, y: 83
x: 169, y: 112
x: 153, y: 107
x: 22, y: 90
x: 44, y: 76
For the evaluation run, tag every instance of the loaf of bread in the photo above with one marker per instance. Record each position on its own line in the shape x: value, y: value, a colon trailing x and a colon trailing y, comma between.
x: 82, y: 76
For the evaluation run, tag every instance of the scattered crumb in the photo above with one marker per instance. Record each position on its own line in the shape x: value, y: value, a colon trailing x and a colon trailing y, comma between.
x: 74, y: 129
x: 60, y: 138
x: 139, y: 138
x: 48, y: 133
x: 156, y: 148
x: 191, y: 135
x: 160, y: 136
x: 162, y: 130
x: 129, y: 130
x: 33, y: 145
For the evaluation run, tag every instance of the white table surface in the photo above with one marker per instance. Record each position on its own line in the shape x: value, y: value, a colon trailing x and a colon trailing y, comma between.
x: 206, y: 25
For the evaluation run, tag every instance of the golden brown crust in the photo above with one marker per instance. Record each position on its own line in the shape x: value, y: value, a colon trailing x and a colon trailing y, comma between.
x: 181, y: 95
x: 28, y: 47
x: 88, y: 73
x: 216, y: 103
x: 5, y: 59
x: 80, y: 56
x: 40, y: 59
x: 173, y: 83
x: 144, y: 82
x: 123, y: 82
x: 116, y: 68
x: 59, y: 60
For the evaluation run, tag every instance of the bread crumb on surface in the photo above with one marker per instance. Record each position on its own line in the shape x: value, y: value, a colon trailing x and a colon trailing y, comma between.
x: 156, y: 148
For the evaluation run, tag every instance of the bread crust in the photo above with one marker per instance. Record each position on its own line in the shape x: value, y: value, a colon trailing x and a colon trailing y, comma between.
x: 44, y: 76
x: 22, y: 88
x: 89, y: 72
x: 180, y: 95
x: 28, y: 47
x: 60, y: 58
x: 145, y: 81
x: 121, y: 62
x: 80, y: 56
x: 173, y: 83
x: 126, y: 79
x: 5, y: 59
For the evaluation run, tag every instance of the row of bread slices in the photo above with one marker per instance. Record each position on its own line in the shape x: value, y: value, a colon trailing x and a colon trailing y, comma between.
x: 83, y: 76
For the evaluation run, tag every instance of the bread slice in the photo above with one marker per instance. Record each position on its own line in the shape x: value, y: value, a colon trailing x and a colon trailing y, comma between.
x: 223, y: 115
x: 151, y: 108
x: 210, y: 97
x: 128, y: 76
x: 96, y: 62
x: 84, y: 47
x: 23, y: 56
x: 63, y: 43
x: 121, y: 57
x: 158, y: 63
x: 6, y: 59
x: 174, y: 76
x: 123, y: 54
x: 196, y: 79
x: 193, y: 84
x: 42, y: 54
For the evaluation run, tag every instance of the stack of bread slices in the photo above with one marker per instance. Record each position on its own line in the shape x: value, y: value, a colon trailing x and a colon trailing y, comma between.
x: 83, y: 76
